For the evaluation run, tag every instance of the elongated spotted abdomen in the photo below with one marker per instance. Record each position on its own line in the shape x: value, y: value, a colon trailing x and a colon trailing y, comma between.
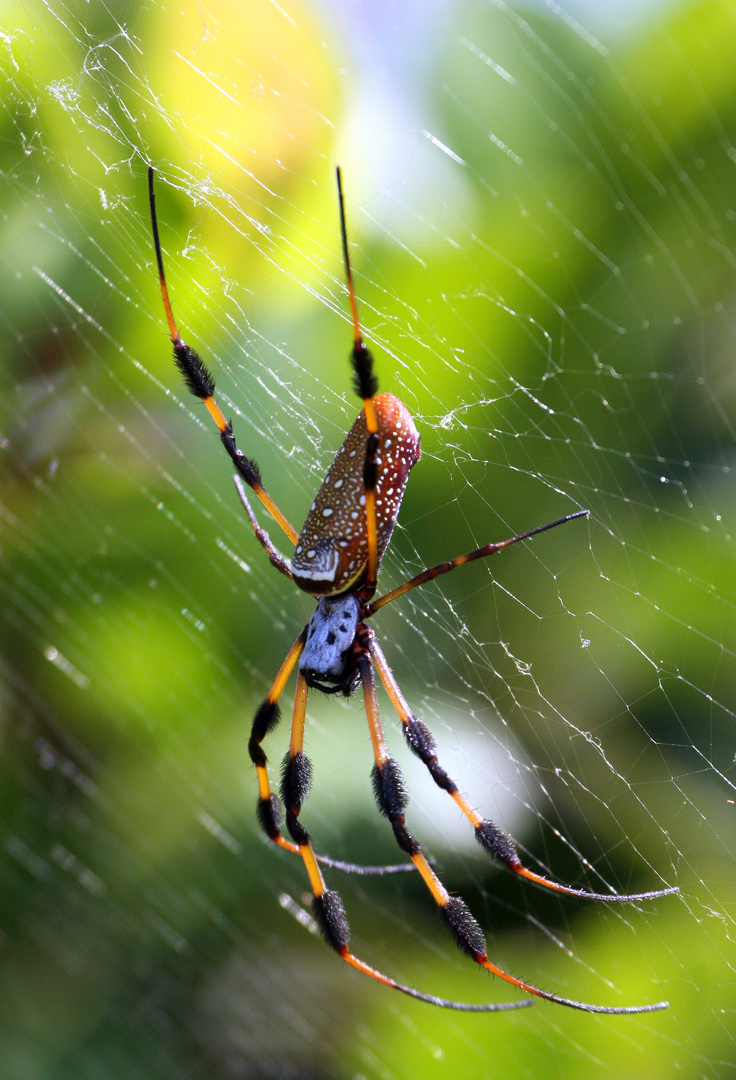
x: 331, y: 553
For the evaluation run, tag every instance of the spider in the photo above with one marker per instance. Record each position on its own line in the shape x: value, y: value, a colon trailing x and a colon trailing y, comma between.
x: 336, y: 560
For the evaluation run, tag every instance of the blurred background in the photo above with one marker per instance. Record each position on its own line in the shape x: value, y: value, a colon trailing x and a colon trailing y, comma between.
x: 543, y: 226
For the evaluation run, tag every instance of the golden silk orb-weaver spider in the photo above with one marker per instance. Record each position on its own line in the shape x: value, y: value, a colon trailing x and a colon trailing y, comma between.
x: 336, y: 560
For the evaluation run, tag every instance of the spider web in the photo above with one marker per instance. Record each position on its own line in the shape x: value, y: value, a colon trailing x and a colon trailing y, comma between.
x: 541, y: 210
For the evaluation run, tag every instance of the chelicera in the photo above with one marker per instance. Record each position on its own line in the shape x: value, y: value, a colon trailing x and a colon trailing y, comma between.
x: 336, y: 559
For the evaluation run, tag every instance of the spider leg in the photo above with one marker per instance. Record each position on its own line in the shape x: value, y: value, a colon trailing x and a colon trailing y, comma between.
x: 366, y: 386
x: 391, y: 797
x: 493, y: 840
x: 269, y: 806
x: 433, y: 572
x: 328, y: 906
x: 199, y: 382
x: 265, y: 720
x: 275, y: 556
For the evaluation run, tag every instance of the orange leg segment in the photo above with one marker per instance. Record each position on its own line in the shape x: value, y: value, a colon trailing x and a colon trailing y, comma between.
x: 328, y: 906
x: 366, y: 386
x: 269, y: 806
x: 265, y: 720
x: 433, y: 572
x: 199, y: 382
x: 498, y: 844
x: 391, y: 797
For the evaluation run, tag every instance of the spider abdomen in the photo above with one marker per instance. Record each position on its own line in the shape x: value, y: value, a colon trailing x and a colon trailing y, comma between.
x: 331, y: 553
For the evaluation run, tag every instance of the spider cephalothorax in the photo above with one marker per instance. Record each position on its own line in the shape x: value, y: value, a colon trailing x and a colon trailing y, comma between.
x: 328, y: 661
x: 336, y: 559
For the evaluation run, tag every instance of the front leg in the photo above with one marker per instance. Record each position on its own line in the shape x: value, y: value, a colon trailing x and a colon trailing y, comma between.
x: 328, y: 907
x: 391, y: 796
x: 494, y: 841
x: 265, y: 720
